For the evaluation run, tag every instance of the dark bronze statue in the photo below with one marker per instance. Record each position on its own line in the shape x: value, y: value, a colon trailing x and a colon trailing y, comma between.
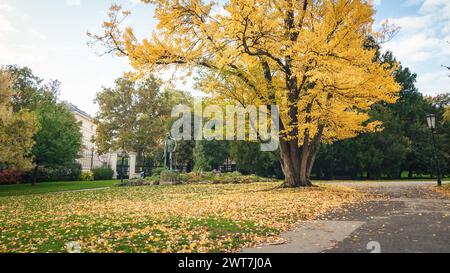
x: 170, y: 147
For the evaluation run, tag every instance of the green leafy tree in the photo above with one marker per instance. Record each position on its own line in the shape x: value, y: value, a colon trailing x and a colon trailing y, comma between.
x: 343, y: 158
x: 185, y: 154
x: 389, y: 147
x: 132, y: 116
x: 372, y: 155
x: 446, y: 126
x: 439, y: 105
x: 135, y: 116
x: 250, y: 160
x: 410, y: 111
x: 16, y: 129
x: 30, y: 90
x: 58, y: 142
x: 210, y: 155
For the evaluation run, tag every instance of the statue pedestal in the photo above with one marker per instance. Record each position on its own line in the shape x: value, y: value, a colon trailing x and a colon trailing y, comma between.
x: 169, y: 178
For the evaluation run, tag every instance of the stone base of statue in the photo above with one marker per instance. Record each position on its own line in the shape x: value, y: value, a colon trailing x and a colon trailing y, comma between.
x: 169, y: 178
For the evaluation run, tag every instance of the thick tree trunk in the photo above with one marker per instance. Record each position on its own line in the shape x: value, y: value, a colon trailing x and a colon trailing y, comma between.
x: 297, y: 162
x: 296, y: 167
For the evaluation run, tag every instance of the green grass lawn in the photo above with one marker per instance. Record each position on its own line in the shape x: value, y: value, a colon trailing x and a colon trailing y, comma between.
x: 48, y: 187
x: 424, y: 177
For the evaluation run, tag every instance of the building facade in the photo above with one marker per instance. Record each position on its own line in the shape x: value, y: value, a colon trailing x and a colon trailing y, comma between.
x: 88, y: 157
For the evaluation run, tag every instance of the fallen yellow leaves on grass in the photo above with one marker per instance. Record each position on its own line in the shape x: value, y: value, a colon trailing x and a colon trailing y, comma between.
x: 188, y: 218
x: 445, y: 189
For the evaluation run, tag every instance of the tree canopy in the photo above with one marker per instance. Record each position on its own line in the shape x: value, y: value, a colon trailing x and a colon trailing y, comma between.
x: 57, y: 142
x: 135, y: 115
x: 16, y: 129
x: 210, y: 155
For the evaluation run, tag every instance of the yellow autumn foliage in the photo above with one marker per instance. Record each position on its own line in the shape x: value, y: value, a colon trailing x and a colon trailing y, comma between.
x: 308, y: 57
x: 447, y: 114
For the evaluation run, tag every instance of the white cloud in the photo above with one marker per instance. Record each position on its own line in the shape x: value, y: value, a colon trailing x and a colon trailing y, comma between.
x: 413, y: 23
x: 434, y: 82
x: 6, y: 7
x: 5, y: 25
x: 422, y: 43
x: 376, y: 2
x: 72, y: 3
x: 417, y: 47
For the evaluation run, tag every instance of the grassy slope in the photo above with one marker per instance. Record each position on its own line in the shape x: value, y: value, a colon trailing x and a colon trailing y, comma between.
x: 27, y: 189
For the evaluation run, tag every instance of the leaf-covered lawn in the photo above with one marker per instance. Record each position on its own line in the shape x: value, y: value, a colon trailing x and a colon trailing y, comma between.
x: 188, y: 218
x: 445, y: 189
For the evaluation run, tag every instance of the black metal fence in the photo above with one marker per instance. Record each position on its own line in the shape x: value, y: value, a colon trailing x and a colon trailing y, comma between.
x: 123, y: 168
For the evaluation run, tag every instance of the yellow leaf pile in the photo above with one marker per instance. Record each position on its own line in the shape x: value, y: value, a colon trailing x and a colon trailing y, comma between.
x: 445, y: 189
x: 190, y: 218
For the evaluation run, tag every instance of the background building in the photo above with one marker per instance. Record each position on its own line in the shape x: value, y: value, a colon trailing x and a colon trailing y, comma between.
x: 89, y: 158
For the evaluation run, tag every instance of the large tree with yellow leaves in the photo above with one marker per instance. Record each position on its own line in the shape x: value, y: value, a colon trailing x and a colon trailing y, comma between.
x: 309, y: 57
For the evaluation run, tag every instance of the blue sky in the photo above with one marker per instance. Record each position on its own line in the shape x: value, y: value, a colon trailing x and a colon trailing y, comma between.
x: 49, y: 36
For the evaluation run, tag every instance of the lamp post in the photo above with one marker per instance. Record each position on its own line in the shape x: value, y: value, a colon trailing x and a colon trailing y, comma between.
x: 431, y: 120
x: 122, y: 154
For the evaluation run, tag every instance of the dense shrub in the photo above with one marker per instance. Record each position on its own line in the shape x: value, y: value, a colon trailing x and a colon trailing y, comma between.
x: 221, y: 178
x: 10, y: 176
x: 251, y: 160
x: 135, y: 183
x: 158, y: 171
x: 104, y: 173
x: 237, y: 178
x: 69, y: 172
x: 87, y: 176
x: 195, y: 178
x: 170, y: 177
x: 154, y: 179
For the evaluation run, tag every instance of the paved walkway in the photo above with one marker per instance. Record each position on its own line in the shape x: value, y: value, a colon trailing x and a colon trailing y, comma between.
x: 409, y: 218
x: 83, y: 190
